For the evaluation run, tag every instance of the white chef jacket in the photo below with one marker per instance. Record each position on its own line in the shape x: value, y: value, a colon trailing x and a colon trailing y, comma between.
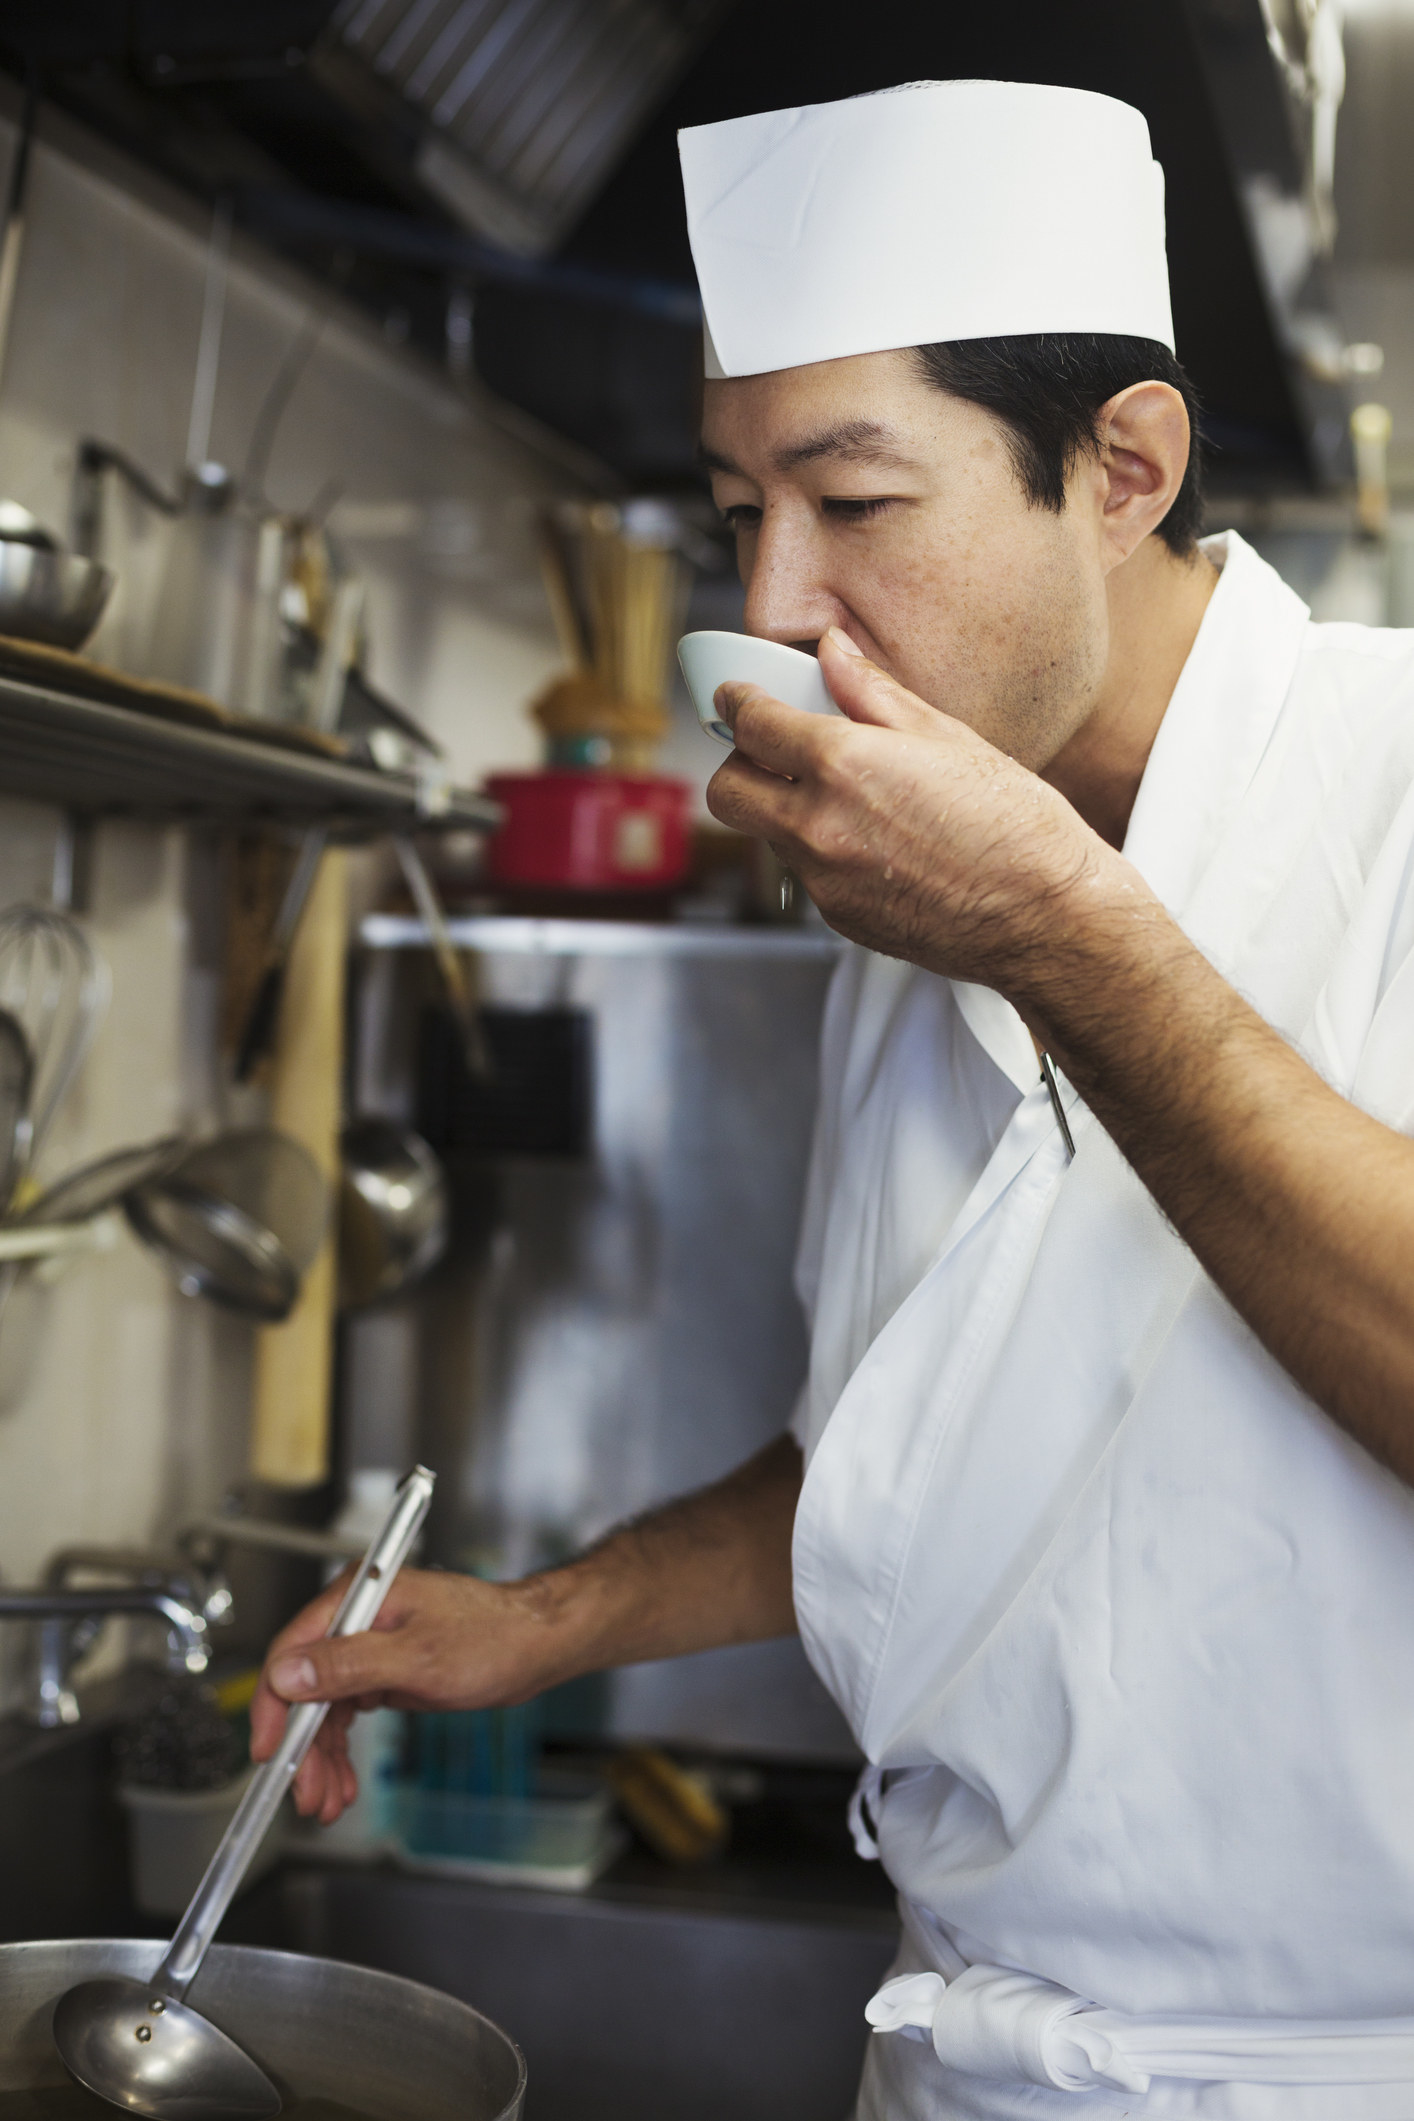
x: 1123, y: 1623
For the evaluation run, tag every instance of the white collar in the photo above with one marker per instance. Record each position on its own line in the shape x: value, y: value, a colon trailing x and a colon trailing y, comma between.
x: 1209, y: 745
x: 1218, y: 723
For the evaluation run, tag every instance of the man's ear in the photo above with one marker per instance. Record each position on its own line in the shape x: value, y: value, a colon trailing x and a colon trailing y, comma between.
x: 1144, y: 443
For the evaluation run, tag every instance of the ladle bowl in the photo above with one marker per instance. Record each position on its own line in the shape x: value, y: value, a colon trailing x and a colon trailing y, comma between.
x: 191, y: 2070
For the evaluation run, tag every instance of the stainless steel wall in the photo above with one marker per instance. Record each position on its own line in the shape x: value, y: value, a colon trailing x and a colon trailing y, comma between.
x: 619, y: 1328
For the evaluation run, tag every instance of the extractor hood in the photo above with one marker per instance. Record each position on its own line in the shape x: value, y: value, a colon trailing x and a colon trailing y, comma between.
x: 514, y: 111
x: 502, y: 174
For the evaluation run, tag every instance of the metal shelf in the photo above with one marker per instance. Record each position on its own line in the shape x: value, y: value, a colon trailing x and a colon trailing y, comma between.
x: 111, y: 761
x: 532, y: 935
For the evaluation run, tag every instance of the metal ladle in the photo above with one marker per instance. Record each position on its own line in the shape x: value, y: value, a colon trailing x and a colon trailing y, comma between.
x: 140, y: 2045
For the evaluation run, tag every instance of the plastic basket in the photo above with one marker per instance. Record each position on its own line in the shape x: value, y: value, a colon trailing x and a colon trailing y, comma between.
x: 561, y: 1842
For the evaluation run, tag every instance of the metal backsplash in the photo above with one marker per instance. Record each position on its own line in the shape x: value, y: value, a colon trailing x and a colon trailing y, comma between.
x: 614, y: 1326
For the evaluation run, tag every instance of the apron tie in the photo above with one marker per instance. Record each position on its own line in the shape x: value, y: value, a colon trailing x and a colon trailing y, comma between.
x: 988, y: 2021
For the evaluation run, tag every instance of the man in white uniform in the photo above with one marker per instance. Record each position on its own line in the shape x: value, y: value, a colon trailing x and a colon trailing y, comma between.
x: 1100, y: 1531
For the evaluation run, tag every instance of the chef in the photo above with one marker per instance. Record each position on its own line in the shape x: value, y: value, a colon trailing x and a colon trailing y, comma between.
x: 1094, y: 1516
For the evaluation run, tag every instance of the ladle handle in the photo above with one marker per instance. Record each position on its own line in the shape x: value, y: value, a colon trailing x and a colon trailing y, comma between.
x: 372, y: 1582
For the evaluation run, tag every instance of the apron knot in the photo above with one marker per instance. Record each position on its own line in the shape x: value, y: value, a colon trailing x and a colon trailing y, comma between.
x: 990, y: 2022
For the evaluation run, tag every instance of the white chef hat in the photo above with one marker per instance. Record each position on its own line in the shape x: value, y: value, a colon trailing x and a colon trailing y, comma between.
x: 939, y: 210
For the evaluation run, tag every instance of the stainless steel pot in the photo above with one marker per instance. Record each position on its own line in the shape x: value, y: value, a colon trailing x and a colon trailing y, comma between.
x: 54, y: 597
x: 386, y: 2047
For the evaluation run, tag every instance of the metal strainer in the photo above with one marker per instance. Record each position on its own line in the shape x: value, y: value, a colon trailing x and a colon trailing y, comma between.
x: 240, y: 1217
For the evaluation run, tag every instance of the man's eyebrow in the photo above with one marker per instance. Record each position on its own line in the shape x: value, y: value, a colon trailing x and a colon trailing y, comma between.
x: 713, y: 460
x: 850, y: 441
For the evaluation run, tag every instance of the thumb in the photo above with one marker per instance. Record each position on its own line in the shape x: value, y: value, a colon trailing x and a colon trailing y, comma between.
x: 865, y: 692
x: 336, y: 1668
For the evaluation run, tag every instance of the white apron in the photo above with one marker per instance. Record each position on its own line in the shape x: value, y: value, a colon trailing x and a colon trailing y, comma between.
x: 1124, y: 1624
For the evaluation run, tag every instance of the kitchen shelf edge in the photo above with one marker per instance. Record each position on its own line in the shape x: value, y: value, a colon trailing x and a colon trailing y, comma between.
x: 107, y: 761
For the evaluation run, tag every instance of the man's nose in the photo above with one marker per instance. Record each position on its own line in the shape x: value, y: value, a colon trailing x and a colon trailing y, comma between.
x: 786, y: 597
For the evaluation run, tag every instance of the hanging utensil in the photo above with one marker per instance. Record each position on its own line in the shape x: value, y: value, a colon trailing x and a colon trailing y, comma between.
x: 12, y: 240
x: 394, y: 1211
x: 93, y: 1188
x: 55, y: 984
x: 16, y: 1087
x: 240, y: 1217
x: 454, y: 979
x: 140, y: 2045
x: 258, y: 1032
x: 337, y: 655
x: 213, y: 313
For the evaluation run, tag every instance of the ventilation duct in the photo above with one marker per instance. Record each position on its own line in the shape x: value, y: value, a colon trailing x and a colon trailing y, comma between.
x: 512, y: 112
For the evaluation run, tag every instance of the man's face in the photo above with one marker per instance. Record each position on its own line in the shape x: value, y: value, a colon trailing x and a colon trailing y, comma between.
x: 864, y: 497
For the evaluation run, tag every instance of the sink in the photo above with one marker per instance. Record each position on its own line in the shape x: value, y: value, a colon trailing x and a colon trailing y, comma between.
x: 626, y: 2005
x: 63, y: 1840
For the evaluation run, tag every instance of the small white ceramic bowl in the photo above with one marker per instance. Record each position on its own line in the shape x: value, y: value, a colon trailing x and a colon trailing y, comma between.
x: 712, y: 659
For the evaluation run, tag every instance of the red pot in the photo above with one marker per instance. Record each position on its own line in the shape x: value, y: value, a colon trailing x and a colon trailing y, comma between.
x: 590, y: 831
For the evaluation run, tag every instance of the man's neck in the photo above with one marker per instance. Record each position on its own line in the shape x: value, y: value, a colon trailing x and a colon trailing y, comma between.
x: 1156, y: 604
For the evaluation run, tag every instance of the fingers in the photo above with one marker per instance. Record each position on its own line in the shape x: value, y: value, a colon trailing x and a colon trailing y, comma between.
x: 780, y: 738
x: 338, y: 1668
x: 415, y: 1657
x: 304, y: 1663
x: 795, y: 748
x: 866, y: 693
x: 351, y: 1672
x: 326, y: 1783
x: 267, y: 1709
x: 751, y: 799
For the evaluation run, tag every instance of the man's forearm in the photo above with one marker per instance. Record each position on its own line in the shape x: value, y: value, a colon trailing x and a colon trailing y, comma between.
x: 711, y: 1569
x: 1300, y: 1206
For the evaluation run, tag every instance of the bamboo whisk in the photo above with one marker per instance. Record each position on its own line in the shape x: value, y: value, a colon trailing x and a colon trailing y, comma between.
x: 618, y: 592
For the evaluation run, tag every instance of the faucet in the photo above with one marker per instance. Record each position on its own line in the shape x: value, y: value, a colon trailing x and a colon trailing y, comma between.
x: 69, y: 1620
x: 182, y: 1576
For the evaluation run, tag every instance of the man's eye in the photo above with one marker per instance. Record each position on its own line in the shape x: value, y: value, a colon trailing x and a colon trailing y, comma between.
x: 742, y: 515
x: 846, y: 509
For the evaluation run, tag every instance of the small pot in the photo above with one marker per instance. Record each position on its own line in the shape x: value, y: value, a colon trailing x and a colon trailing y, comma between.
x: 590, y: 831
x: 386, y: 2047
x: 53, y: 597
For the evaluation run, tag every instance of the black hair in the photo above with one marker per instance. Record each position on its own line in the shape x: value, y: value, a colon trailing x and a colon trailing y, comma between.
x: 1048, y: 388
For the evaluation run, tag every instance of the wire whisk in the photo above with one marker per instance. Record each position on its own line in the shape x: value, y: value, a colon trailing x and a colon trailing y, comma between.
x: 57, y: 987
